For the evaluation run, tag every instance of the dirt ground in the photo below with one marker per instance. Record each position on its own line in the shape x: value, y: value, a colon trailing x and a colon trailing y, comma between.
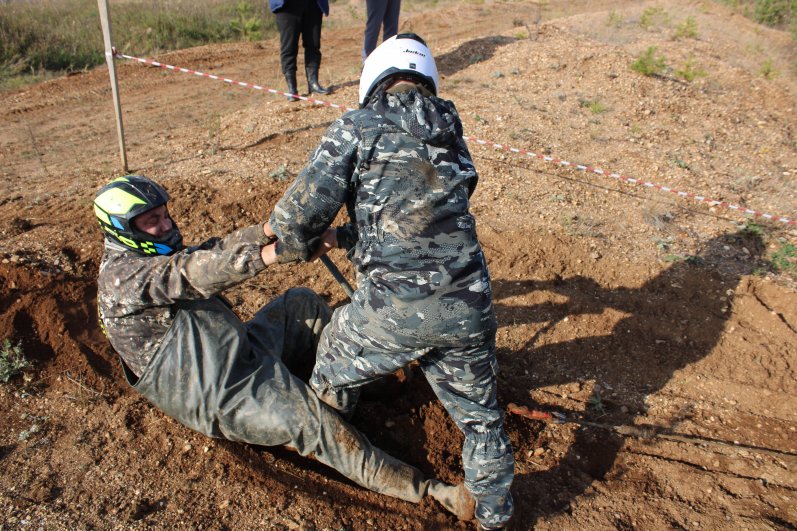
x: 651, y: 319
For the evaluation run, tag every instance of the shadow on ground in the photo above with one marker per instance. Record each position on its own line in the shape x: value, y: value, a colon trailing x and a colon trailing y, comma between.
x: 673, y: 320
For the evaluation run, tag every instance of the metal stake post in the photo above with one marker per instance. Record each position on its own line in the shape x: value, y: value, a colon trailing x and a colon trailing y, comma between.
x: 105, y: 20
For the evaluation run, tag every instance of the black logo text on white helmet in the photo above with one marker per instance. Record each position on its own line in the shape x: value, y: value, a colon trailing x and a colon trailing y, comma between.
x: 405, y: 54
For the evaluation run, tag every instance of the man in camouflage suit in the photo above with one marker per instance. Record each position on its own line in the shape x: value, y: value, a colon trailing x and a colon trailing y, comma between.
x: 401, y: 167
x: 186, y: 351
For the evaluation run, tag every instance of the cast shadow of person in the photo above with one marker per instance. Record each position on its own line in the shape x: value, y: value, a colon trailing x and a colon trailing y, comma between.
x: 669, y: 322
x: 465, y: 55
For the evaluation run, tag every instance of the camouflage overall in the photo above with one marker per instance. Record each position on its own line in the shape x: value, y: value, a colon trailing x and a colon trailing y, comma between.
x: 404, y: 173
x: 188, y: 353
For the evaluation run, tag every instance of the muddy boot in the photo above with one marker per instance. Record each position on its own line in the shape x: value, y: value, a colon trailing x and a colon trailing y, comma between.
x: 312, y: 81
x: 455, y: 498
x: 291, y: 80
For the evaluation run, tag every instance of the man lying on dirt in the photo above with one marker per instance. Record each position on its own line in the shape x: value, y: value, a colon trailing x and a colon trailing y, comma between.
x: 187, y: 352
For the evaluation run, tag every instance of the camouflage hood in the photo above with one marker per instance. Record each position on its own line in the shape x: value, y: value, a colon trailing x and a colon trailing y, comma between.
x: 431, y: 119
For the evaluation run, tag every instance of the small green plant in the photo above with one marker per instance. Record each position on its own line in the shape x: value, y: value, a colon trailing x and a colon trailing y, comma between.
x: 687, y: 29
x: 784, y: 260
x: 214, y: 127
x: 690, y: 71
x: 768, y: 70
x: 595, y: 402
x: 649, y: 63
x: 752, y: 229
x: 247, y: 25
x: 654, y: 16
x: 615, y: 20
x: 12, y: 360
x: 681, y: 164
x: 280, y: 174
x: 774, y: 12
x: 596, y: 106
x: 476, y: 58
x: 580, y: 226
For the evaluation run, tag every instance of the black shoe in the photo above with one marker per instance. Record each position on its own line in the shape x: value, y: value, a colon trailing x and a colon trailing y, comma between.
x: 291, y: 80
x: 312, y: 82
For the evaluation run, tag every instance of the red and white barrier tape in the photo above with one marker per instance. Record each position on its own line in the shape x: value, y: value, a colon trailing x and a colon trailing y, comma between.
x: 227, y: 80
x: 495, y: 145
x: 638, y: 182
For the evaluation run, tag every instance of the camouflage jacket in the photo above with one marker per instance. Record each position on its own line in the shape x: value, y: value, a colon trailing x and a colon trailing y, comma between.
x: 404, y: 173
x: 137, y: 295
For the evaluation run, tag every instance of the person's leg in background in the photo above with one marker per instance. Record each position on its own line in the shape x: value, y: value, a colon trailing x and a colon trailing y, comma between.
x: 376, y: 10
x: 289, y: 26
x: 311, y: 40
x: 391, y: 19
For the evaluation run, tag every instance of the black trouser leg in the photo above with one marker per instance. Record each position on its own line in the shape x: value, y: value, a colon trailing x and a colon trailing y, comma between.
x: 311, y: 40
x: 289, y: 25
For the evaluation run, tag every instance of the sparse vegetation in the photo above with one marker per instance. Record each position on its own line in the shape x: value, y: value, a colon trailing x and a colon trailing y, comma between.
x: 615, y: 20
x: 580, y: 225
x: 476, y: 58
x: 653, y: 17
x: 280, y: 174
x: 12, y: 360
x: 248, y: 24
x: 768, y: 69
x: 596, y: 106
x: 44, y: 37
x: 681, y: 164
x: 690, y: 71
x: 687, y: 29
x: 752, y: 229
x: 780, y: 14
x: 775, y: 12
x: 214, y: 126
x: 649, y: 63
x: 784, y: 259
x: 595, y: 402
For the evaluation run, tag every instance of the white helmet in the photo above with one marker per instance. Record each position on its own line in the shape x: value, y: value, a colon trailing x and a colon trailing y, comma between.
x: 405, y: 53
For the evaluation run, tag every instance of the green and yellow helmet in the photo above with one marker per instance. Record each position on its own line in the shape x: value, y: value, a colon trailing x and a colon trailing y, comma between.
x: 124, y: 198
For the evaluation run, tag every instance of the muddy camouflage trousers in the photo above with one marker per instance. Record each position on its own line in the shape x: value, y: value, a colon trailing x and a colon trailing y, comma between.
x: 463, y: 378
x: 251, y: 394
